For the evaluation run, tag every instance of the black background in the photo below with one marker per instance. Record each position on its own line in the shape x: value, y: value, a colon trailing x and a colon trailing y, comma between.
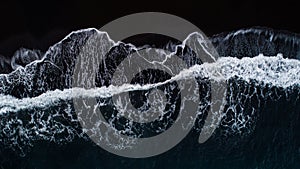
x: 39, y: 24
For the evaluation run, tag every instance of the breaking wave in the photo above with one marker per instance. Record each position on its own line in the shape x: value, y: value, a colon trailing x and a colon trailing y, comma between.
x: 259, y: 66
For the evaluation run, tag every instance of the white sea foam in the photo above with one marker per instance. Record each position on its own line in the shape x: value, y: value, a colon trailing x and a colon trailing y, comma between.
x: 276, y: 71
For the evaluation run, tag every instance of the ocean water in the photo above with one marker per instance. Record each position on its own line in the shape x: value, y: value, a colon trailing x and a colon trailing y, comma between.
x: 257, y: 129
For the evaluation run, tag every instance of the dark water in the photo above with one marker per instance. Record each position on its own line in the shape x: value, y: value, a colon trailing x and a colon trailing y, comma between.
x: 260, y: 128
